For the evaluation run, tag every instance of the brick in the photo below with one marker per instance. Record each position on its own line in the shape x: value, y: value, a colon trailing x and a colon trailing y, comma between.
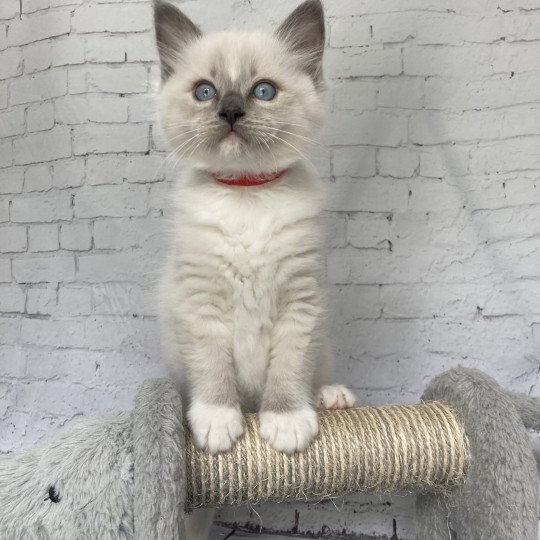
x: 12, y: 363
x: 334, y: 225
x: 121, y: 299
x: 68, y: 51
x: 68, y: 174
x: 349, y: 32
x: 354, y: 161
x: 42, y: 208
x: 37, y: 57
x: 121, y: 233
x: 397, y: 162
x: 117, y: 169
x: 12, y: 299
x: 5, y: 270
x: 3, y: 96
x: 12, y: 122
x: 360, y: 62
x: 12, y: 180
x: 371, y: 128
x: 75, y: 366
x: 104, y: 138
x: 41, y: 301
x: 113, y: 201
x: 101, y: 268
x: 43, y: 146
x: 31, y: 6
x: 354, y: 302
x: 38, y: 87
x: 43, y: 237
x: 498, y: 91
x: 376, y: 195
x: 53, y: 333
x: 461, y: 62
x: 354, y: 95
x: 40, y: 117
x: 37, y: 178
x: 74, y: 301
x: 10, y: 329
x: 38, y: 27
x: 112, y: 18
x: 141, y: 108
x: 76, y: 236
x: 6, y: 154
x: 141, y: 48
x: 370, y: 230
x: 43, y: 270
x: 124, y: 79
x: 107, y: 108
x: 11, y: 63
x: 402, y: 92
x: 9, y: 9
x: 12, y: 239
x: 443, y: 161
x: 4, y: 209
x: 99, y: 48
x: 506, y: 155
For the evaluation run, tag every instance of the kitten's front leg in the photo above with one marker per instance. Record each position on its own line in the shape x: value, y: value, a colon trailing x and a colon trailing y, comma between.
x: 288, y: 420
x: 214, y: 413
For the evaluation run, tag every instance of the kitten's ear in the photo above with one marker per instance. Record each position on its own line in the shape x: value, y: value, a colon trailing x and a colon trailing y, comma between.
x: 173, y: 32
x: 303, y: 31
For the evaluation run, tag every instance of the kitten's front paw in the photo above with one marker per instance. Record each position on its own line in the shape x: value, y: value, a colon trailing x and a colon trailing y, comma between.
x: 289, y: 431
x: 335, y: 396
x: 215, y: 427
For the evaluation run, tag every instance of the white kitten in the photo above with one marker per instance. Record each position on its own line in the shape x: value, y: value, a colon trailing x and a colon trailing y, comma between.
x: 241, y: 302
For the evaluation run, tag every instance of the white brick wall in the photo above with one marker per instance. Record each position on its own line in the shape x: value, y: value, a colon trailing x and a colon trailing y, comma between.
x: 432, y: 158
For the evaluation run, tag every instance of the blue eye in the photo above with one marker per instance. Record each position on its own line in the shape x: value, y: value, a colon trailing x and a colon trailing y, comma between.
x: 264, y: 91
x: 205, y: 92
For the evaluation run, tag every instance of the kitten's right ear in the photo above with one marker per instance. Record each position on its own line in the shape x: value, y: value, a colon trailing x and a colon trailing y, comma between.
x: 173, y: 32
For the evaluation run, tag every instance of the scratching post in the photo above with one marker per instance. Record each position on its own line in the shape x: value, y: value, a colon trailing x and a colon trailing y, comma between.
x: 394, y: 448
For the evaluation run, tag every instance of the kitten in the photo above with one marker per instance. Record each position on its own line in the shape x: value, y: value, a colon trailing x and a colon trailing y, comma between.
x: 241, y: 302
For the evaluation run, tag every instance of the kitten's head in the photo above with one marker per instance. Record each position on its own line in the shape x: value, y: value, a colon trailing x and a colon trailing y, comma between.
x: 241, y: 101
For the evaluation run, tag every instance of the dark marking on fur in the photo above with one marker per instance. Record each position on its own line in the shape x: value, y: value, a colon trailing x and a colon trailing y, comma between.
x: 54, y: 496
x: 174, y: 31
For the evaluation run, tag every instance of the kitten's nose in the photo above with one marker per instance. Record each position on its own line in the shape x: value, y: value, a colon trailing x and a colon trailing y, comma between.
x: 232, y: 107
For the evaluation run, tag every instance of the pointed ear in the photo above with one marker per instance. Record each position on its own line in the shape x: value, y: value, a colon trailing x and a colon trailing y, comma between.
x: 303, y: 31
x: 173, y: 32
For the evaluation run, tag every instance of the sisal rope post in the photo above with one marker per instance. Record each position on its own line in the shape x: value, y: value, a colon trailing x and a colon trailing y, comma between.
x: 392, y: 448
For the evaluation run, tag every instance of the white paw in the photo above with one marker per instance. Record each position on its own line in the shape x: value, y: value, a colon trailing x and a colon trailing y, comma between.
x: 335, y: 396
x: 215, y: 427
x: 290, y: 431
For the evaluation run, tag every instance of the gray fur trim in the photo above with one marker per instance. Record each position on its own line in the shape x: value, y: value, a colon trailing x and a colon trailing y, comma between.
x: 158, y: 438
x: 499, y: 498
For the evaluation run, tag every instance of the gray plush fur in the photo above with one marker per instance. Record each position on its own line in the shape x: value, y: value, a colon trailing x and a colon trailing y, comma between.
x: 117, y: 477
x: 158, y: 437
x: 90, y: 466
x: 499, y: 498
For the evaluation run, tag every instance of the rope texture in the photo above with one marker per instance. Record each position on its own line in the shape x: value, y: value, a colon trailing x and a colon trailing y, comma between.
x: 391, y: 448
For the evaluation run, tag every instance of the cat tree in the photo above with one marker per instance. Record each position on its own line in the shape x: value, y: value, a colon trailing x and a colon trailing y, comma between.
x: 133, y: 475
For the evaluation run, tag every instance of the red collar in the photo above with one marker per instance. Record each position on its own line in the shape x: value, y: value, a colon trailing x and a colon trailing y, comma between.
x: 248, y: 179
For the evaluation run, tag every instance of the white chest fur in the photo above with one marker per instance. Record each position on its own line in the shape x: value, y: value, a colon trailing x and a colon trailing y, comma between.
x: 241, y: 239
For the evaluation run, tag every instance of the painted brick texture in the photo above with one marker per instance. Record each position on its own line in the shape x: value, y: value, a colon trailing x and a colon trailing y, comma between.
x: 431, y: 155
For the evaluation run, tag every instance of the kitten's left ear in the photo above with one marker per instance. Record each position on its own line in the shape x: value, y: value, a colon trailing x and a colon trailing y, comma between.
x: 173, y: 32
x: 303, y: 31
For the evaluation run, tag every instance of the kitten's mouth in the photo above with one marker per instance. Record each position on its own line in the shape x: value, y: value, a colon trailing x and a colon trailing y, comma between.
x: 232, y: 137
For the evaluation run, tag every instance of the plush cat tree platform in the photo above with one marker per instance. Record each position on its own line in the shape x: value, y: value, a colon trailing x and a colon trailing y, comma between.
x: 132, y: 475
